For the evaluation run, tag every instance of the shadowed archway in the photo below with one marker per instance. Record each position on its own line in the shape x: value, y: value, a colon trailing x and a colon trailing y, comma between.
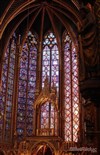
x: 43, y: 149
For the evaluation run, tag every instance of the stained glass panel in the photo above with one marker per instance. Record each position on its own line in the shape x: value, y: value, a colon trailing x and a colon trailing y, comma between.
x: 75, y: 92
x: 27, y: 85
x: 71, y: 92
x: 50, y: 69
x: 6, y: 96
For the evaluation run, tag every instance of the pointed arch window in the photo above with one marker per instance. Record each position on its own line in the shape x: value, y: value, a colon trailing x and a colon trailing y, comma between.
x: 71, y: 90
x: 27, y: 76
x: 6, y: 96
x: 27, y: 85
x: 50, y: 60
x: 50, y: 68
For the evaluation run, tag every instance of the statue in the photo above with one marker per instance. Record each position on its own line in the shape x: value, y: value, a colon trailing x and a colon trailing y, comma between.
x: 89, y: 41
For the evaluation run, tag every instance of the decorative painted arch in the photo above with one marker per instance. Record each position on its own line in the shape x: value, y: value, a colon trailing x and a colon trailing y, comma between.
x: 41, y: 143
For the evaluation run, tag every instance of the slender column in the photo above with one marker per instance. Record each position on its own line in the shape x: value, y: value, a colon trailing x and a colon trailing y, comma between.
x: 41, y: 49
x: 15, y: 96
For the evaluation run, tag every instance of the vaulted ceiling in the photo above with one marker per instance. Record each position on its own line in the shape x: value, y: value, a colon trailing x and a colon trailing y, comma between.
x: 39, y: 16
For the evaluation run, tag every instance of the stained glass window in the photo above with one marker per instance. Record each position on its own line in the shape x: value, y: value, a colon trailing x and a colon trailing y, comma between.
x: 48, y: 119
x: 50, y: 69
x: 27, y: 76
x: 6, y: 96
x: 71, y: 91
x: 27, y: 85
x: 50, y: 61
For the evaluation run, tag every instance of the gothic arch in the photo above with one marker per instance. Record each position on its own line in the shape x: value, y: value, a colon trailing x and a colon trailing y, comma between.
x: 40, y: 144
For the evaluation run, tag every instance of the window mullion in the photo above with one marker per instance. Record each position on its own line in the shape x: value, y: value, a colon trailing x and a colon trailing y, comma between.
x: 15, y: 96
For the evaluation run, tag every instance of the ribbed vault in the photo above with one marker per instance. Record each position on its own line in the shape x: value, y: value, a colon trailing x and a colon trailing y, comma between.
x: 40, y: 16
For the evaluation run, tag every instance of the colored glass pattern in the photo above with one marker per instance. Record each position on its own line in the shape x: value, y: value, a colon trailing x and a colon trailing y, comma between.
x: 50, y: 69
x: 6, y: 97
x: 27, y: 85
x: 50, y: 61
x: 71, y: 90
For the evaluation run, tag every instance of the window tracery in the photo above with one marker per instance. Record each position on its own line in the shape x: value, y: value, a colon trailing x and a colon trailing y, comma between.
x: 27, y: 85
x: 6, y: 96
x: 50, y: 68
x: 71, y: 90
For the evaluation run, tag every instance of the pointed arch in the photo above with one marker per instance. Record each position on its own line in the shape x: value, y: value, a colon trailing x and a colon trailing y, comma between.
x: 36, y: 146
x: 27, y: 85
x: 50, y: 59
x: 6, y: 94
x: 50, y: 69
x: 71, y: 90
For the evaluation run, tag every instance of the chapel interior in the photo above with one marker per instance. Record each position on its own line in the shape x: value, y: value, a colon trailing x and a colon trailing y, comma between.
x: 49, y: 77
